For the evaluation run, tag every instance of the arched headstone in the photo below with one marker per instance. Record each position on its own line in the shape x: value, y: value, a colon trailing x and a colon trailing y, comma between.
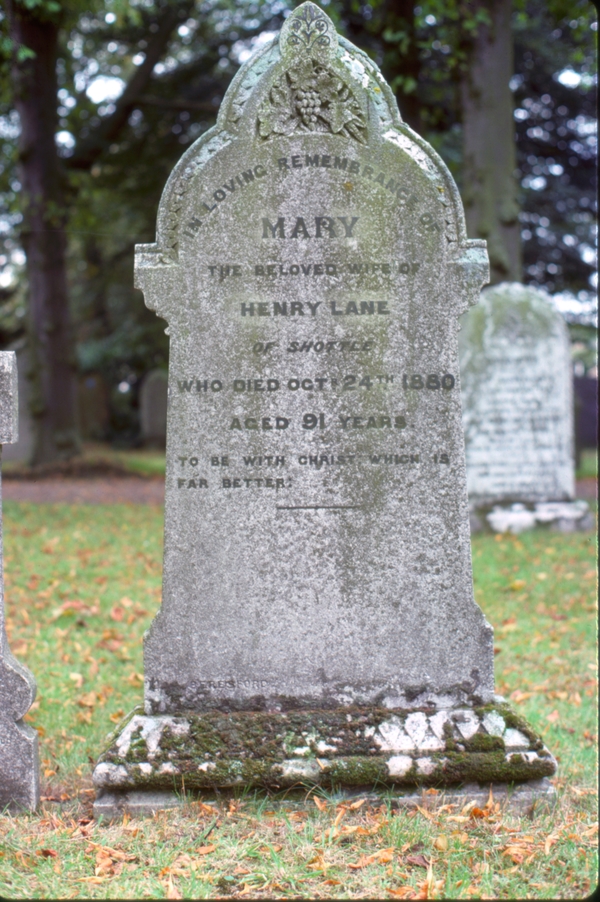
x: 517, y: 391
x: 318, y: 620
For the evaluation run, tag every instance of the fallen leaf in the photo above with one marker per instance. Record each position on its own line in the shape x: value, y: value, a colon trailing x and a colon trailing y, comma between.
x: 87, y: 700
x: 331, y: 882
x: 117, y: 613
x: 48, y: 853
x: 419, y: 861
x: 553, y: 717
x: 441, y: 843
x: 478, y: 812
x: 403, y: 892
x: 77, y: 679
x: 205, y: 850
x: 320, y: 803
x: 518, y: 696
x: 517, y: 853
x: 383, y: 856
x: 425, y: 813
x: 172, y: 891
x: 518, y: 584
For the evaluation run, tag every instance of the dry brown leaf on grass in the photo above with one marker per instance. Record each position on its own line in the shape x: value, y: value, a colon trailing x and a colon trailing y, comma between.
x: 403, y: 892
x: 431, y: 887
x: 519, y: 853
x: 479, y: 812
x: 383, y: 856
x: 320, y: 803
x: 418, y: 861
x: 549, y: 842
x: 171, y: 890
x: 425, y: 813
x: 205, y: 850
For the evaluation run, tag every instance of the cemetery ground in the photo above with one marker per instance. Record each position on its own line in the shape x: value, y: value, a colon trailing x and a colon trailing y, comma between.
x: 82, y: 585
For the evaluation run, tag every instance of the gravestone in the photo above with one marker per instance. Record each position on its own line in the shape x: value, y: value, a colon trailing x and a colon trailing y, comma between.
x: 19, y: 768
x: 318, y: 623
x: 22, y: 449
x: 516, y: 385
x: 153, y: 407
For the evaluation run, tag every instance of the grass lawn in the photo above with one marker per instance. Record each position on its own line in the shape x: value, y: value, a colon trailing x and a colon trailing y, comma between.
x: 82, y: 585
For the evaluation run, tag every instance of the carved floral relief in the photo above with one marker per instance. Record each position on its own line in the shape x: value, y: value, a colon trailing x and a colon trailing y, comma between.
x: 311, y: 97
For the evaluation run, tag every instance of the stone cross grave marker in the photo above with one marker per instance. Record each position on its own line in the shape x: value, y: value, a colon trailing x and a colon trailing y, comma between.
x: 318, y: 621
x: 517, y: 392
x: 19, y: 768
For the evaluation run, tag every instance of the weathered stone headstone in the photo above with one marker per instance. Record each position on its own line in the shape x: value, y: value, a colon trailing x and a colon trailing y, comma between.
x: 19, y: 767
x: 22, y: 449
x: 153, y: 407
x: 318, y: 622
x: 516, y: 386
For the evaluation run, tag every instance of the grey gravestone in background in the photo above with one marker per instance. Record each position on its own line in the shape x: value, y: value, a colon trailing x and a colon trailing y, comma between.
x: 516, y: 385
x: 318, y: 619
x: 153, y: 407
x: 22, y: 449
x: 19, y: 767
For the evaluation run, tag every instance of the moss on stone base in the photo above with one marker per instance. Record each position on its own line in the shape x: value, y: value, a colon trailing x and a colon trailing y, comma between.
x: 351, y: 746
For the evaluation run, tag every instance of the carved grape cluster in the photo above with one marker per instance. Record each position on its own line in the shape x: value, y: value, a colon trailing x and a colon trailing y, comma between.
x: 311, y: 97
x: 308, y: 104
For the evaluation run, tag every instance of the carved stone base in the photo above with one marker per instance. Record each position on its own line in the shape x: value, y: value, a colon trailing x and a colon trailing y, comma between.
x: 343, y: 747
x: 527, y: 798
x: 559, y: 516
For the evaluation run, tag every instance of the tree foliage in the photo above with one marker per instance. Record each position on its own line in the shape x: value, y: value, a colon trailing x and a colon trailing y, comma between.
x: 168, y: 64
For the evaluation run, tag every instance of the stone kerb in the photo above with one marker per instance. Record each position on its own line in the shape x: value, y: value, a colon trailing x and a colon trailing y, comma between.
x: 19, y: 766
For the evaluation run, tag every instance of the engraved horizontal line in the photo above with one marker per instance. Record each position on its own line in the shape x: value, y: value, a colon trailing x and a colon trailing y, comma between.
x: 318, y: 507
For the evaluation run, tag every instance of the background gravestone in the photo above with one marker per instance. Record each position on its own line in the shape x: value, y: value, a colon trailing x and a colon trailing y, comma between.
x: 19, y: 767
x: 153, y: 407
x: 318, y: 621
x: 517, y: 391
x: 22, y: 448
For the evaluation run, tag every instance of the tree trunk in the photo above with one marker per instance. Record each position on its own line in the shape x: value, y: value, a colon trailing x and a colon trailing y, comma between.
x: 54, y: 404
x: 489, y: 152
